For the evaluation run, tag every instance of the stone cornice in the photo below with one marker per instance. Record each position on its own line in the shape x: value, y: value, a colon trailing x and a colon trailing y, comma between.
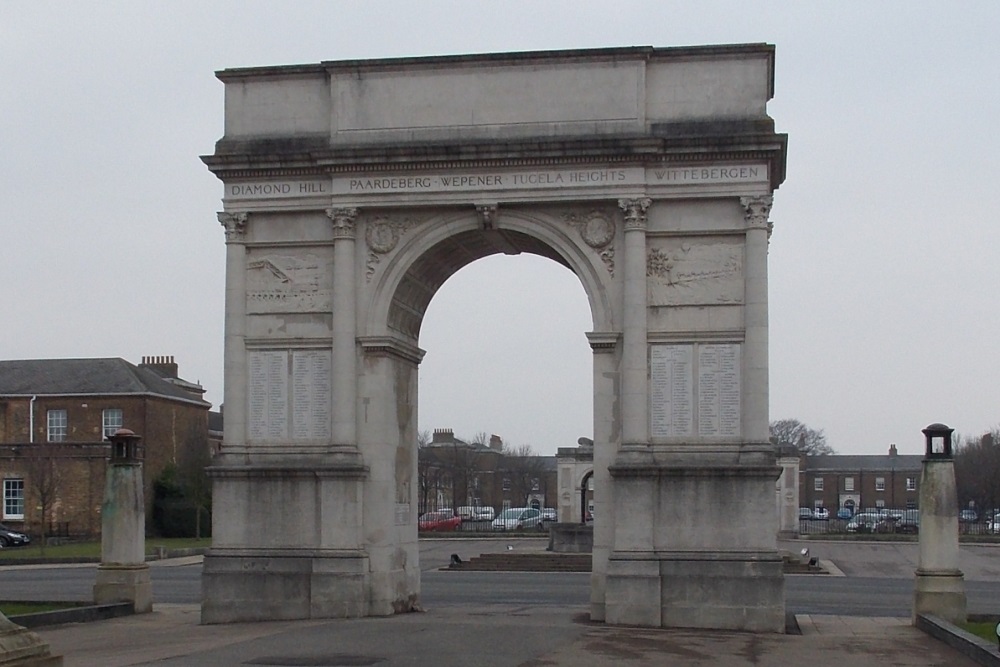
x: 387, y: 346
x: 603, y: 341
x: 250, y: 159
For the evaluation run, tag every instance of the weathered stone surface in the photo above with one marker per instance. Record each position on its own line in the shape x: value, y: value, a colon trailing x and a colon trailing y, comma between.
x: 353, y: 190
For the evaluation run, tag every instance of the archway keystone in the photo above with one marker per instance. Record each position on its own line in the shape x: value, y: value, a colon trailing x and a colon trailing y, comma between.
x: 355, y: 189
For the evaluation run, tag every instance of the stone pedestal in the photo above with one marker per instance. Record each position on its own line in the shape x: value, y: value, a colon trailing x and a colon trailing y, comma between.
x: 123, y: 575
x: 19, y: 647
x: 939, y: 585
x: 695, y: 547
x: 124, y: 583
x: 571, y: 538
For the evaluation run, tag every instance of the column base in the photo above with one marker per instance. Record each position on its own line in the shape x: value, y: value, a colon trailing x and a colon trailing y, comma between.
x: 124, y: 583
x: 940, y: 594
x: 272, y: 584
x: 718, y: 591
x: 19, y: 647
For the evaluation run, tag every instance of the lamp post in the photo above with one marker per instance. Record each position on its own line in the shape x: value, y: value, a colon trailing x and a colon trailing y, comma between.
x: 123, y: 575
x: 939, y: 586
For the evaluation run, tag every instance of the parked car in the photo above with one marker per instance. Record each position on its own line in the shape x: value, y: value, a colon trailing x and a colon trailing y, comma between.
x: 994, y: 526
x: 844, y: 514
x: 865, y: 522
x: 518, y: 518
x: 549, y: 514
x: 12, y: 538
x: 439, y: 521
x: 909, y: 522
x: 968, y: 516
x: 821, y: 514
x: 484, y: 513
x: 805, y: 513
x: 466, y: 513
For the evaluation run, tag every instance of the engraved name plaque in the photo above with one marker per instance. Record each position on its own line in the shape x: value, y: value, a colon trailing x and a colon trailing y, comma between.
x: 695, y: 390
x: 288, y: 395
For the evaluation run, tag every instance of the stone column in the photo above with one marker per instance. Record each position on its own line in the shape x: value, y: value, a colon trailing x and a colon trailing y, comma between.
x: 755, y: 397
x: 939, y: 584
x: 344, y: 431
x: 234, y: 359
x: 123, y: 575
x: 635, y: 391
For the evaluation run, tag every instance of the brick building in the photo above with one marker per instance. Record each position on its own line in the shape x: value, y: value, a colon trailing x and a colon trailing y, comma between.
x: 889, y: 481
x: 453, y: 473
x: 54, y: 417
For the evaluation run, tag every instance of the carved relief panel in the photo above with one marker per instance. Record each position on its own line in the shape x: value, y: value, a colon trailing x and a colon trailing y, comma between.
x: 288, y: 280
x: 694, y: 271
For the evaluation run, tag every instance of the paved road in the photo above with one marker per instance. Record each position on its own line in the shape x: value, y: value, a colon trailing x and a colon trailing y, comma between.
x: 878, y: 579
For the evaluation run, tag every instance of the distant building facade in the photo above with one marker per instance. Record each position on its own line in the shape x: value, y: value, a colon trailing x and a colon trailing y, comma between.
x: 857, y: 482
x: 54, y: 417
x: 453, y: 473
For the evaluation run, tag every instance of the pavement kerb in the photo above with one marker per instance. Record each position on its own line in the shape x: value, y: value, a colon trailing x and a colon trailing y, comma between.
x: 966, y: 643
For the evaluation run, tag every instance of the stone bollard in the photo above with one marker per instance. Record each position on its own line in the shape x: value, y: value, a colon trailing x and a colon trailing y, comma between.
x: 939, y: 587
x: 123, y: 575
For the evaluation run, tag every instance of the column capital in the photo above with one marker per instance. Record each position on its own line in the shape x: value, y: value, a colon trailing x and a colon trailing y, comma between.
x: 635, y: 212
x: 235, y: 225
x: 343, y: 220
x: 756, y: 211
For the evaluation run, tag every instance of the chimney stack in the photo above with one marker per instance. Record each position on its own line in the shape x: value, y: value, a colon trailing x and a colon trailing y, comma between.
x: 162, y: 366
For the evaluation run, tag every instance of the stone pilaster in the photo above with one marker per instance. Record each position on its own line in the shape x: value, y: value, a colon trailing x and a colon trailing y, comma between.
x: 234, y: 358
x: 344, y: 427
x: 634, y: 393
x: 755, y: 403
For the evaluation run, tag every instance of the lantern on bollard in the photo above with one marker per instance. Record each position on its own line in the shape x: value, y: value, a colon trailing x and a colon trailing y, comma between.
x: 125, y: 447
x: 938, y: 441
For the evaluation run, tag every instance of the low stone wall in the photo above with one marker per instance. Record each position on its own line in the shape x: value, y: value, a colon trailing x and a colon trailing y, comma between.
x: 571, y: 538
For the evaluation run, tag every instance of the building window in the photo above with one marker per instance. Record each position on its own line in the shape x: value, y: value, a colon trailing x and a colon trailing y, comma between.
x: 911, y: 483
x: 880, y: 483
x: 57, y: 425
x: 112, y: 421
x: 13, y: 499
x: 506, y: 484
x: 880, y: 504
x: 911, y: 504
x: 818, y: 484
x: 534, y: 484
x: 848, y: 484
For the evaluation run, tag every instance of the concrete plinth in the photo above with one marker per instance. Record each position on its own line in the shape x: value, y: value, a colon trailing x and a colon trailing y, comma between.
x: 940, y: 594
x: 19, y: 647
x: 571, y: 538
x: 729, y: 591
x: 267, y: 585
x: 124, y: 583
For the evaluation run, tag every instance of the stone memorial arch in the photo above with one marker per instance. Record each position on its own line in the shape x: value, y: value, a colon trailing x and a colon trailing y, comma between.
x: 354, y: 189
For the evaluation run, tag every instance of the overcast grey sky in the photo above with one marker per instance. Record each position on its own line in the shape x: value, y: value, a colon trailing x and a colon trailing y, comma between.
x: 883, y: 262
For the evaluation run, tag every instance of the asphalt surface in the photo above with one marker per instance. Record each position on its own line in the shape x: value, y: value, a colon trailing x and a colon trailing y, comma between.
x: 504, y: 632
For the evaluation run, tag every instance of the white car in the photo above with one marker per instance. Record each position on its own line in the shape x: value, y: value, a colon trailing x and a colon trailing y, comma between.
x: 994, y: 526
x: 821, y: 514
x: 518, y: 518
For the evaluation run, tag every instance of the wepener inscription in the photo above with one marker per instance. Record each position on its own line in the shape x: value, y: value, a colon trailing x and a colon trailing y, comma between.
x: 501, y: 181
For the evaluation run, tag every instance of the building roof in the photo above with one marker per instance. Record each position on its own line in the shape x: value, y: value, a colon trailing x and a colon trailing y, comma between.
x: 863, y: 462
x: 86, y: 377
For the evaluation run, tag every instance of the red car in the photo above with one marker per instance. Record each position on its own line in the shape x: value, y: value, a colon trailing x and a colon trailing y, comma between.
x: 439, y: 521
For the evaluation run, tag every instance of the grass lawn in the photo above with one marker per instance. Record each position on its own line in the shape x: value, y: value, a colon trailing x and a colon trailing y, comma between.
x: 17, y: 608
x: 93, y: 549
x: 987, y: 630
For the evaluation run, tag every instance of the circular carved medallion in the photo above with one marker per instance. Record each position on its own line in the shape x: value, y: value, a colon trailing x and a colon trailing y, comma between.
x: 598, y: 230
x: 382, y: 236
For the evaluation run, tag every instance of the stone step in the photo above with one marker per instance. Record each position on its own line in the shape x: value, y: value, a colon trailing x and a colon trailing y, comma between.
x: 535, y: 562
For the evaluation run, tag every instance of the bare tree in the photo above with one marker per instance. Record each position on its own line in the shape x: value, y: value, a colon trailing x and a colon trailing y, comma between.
x: 524, y: 469
x: 429, y: 471
x: 977, y: 470
x: 44, y: 478
x: 794, y: 434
